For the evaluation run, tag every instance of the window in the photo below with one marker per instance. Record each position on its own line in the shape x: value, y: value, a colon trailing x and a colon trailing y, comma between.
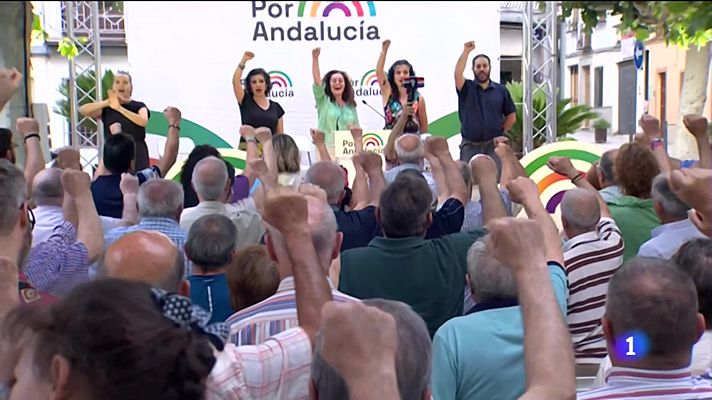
x: 598, y: 87
x: 574, y: 84
x: 586, y: 85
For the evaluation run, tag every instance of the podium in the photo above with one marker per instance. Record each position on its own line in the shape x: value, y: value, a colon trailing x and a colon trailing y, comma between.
x: 373, y: 141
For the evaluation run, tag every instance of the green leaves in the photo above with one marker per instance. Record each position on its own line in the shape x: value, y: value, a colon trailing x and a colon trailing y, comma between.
x: 569, y: 119
x: 67, y: 48
x: 38, y: 33
x: 681, y: 23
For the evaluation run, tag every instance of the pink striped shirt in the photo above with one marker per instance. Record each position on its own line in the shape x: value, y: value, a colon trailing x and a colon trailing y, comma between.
x: 644, y: 384
x: 278, y: 313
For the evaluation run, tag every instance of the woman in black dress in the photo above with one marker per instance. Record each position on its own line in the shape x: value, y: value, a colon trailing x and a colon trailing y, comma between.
x: 130, y: 115
x: 256, y: 109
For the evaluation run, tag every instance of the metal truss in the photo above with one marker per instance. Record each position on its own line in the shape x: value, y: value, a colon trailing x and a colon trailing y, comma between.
x: 539, y: 72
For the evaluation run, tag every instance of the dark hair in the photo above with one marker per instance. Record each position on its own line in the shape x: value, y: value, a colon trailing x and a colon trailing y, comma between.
x: 349, y: 96
x: 474, y: 60
x: 607, y: 165
x: 230, y: 173
x: 254, y: 72
x: 5, y: 141
x: 405, y: 205
x: 119, y: 152
x: 211, y: 242
x: 118, y: 342
x: 251, y: 277
x: 695, y: 258
x: 125, y: 73
x: 190, y: 198
x: 636, y: 168
x: 395, y: 94
x: 654, y: 296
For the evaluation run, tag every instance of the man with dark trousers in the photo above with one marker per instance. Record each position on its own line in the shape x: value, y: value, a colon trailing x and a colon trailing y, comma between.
x: 485, y: 108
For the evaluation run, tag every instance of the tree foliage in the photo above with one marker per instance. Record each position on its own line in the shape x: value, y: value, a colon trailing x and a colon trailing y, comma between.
x: 681, y: 23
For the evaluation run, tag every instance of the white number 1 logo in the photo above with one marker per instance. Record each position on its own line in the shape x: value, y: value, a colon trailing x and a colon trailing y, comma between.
x: 630, y: 346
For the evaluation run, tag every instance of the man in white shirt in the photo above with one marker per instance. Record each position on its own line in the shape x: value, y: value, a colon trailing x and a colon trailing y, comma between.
x: 211, y: 184
x: 676, y: 228
x: 48, y: 196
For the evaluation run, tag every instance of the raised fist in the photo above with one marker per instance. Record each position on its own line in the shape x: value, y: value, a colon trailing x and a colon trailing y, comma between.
x: 650, y: 125
x: 469, y: 46
x: 696, y: 124
x: 128, y: 184
x: 562, y: 166
x: 173, y: 115
x: 316, y: 52
x: 75, y: 182
x: 248, y: 56
x: 386, y: 44
x: 27, y: 126
x: 521, y: 189
x: 263, y: 134
x: 10, y: 80
x: 285, y: 210
x: 317, y: 136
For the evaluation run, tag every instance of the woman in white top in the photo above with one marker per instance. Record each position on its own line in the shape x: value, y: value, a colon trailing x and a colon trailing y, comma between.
x: 288, y: 160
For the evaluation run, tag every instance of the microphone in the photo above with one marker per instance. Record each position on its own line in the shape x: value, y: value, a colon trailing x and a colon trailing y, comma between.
x: 374, y: 110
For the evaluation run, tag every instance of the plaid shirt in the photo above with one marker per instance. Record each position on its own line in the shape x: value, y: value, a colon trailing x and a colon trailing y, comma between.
x: 166, y: 226
x: 276, y: 370
x: 59, y: 264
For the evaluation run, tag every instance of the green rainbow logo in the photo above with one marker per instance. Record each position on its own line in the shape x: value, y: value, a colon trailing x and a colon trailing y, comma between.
x: 369, y: 78
x: 372, y: 140
x: 279, y: 79
x: 356, y: 9
x: 535, y: 163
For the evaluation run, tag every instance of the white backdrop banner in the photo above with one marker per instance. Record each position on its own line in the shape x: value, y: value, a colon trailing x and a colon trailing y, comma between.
x: 184, y: 54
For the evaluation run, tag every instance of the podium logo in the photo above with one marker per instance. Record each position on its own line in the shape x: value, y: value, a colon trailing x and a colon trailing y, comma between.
x: 281, y: 84
x: 368, y: 85
x: 275, y: 21
x: 372, y: 142
x: 356, y: 9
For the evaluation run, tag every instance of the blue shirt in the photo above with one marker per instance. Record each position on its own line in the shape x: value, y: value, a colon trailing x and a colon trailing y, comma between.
x: 481, y: 355
x: 482, y: 111
x: 667, y: 239
x: 105, y: 190
x: 211, y: 293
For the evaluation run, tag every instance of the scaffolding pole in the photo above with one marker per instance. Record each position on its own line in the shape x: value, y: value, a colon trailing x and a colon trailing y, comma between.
x: 539, y: 70
x: 86, y: 63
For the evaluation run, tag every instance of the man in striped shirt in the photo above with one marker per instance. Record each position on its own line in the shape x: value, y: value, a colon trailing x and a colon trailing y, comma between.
x: 592, y: 254
x: 658, y: 302
x: 278, y: 313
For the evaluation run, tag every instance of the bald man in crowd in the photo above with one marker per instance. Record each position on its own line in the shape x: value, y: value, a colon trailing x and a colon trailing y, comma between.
x: 592, y: 254
x: 409, y: 155
x: 212, y: 186
x: 146, y: 256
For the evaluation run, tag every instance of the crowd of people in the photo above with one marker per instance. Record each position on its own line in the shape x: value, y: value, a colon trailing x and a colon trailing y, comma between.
x: 413, y: 282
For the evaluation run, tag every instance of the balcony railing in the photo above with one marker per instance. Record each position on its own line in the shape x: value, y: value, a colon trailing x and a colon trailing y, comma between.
x: 111, y: 20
